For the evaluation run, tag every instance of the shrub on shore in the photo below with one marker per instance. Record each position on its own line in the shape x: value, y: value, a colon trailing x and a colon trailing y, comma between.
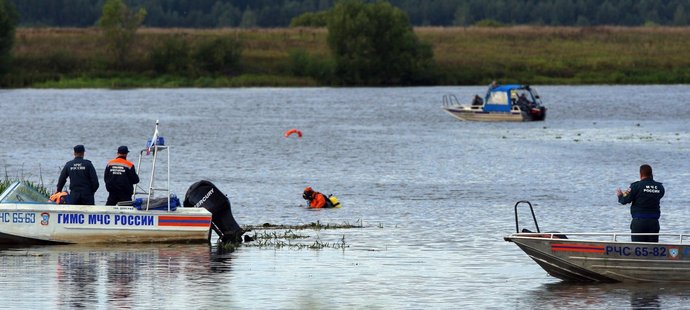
x: 8, y: 22
x: 300, y: 57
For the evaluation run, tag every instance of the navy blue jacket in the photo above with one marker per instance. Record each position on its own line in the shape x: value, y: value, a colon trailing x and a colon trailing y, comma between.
x: 82, y: 176
x: 645, y: 196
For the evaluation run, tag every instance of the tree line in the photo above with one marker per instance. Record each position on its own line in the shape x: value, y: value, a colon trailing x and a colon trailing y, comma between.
x: 279, y: 13
x: 370, y: 44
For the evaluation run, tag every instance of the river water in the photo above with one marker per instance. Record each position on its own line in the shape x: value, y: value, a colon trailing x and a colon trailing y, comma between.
x: 434, y: 195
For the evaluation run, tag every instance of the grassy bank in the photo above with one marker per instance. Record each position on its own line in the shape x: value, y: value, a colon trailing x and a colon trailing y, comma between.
x: 74, y: 58
x: 610, y: 55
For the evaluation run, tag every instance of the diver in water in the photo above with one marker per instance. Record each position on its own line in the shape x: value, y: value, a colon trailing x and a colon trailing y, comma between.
x: 315, y: 199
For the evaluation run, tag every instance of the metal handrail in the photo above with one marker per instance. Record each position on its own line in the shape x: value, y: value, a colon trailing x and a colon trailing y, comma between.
x: 614, y: 236
x: 149, y: 192
x: 450, y: 100
x: 517, y: 228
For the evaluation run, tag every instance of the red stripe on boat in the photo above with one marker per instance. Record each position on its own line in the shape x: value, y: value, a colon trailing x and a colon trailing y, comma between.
x: 582, y: 248
x: 184, y: 221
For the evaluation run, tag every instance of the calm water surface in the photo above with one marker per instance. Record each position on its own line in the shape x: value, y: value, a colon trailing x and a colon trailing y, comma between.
x: 435, y: 194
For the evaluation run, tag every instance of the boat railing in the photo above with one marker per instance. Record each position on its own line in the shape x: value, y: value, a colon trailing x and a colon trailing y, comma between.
x: 604, y: 236
x: 450, y: 100
x: 155, y: 148
x: 531, y: 209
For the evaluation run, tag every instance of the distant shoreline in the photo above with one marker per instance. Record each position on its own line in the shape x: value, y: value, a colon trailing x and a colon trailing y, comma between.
x: 76, y: 58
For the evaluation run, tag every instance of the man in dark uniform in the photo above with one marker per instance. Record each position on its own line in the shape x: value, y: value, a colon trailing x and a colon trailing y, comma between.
x: 83, y: 181
x: 120, y: 177
x: 645, y: 196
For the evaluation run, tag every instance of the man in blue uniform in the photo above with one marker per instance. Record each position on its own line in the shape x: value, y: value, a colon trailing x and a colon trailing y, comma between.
x: 645, y: 196
x: 83, y: 181
x: 120, y: 177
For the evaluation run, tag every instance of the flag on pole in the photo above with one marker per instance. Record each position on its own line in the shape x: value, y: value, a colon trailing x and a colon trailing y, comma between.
x: 153, y: 141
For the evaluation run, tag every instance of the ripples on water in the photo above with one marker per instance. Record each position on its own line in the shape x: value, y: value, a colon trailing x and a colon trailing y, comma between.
x: 435, y: 194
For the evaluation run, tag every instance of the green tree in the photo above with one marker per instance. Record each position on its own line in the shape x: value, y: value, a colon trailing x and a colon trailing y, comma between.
x: 462, y: 16
x: 679, y: 18
x: 311, y: 19
x: 219, y: 55
x: 171, y: 56
x: 8, y: 22
x: 374, y: 44
x: 248, y: 19
x: 119, y: 25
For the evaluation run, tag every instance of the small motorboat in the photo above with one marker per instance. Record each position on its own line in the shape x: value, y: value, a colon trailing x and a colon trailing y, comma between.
x: 604, y: 257
x: 27, y: 216
x: 504, y: 103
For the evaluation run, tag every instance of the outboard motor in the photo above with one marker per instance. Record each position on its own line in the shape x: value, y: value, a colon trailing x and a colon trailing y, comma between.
x: 205, y: 194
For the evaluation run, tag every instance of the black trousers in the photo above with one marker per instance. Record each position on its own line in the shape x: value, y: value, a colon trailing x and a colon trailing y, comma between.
x: 644, y: 226
x: 79, y: 198
x: 114, y: 198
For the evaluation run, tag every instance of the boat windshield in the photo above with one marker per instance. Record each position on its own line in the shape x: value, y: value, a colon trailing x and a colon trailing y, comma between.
x: 497, y: 97
x: 537, y: 99
x: 22, y: 192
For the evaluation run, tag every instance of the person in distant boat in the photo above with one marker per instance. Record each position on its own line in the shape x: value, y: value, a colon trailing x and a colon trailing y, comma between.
x: 316, y: 199
x: 645, y: 196
x: 493, y: 85
x: 83, y: 181
x: 477, y: 100
x: 523, y: 102
x: 120, y: 176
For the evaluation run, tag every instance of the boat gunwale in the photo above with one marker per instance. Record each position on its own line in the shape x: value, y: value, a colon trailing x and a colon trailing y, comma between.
x: 683, y: 238
x: 52, y: 207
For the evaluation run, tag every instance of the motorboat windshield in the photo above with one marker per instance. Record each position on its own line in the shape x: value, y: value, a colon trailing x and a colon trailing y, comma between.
x: 535, y: 96
x: 22, y: 192
x: 497, y: 97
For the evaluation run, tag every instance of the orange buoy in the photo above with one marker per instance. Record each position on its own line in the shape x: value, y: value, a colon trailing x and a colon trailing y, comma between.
x: 293, y: 130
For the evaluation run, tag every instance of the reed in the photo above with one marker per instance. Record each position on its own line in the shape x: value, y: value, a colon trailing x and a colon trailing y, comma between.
x: 557, y: 55
x: 287, y: 240
x: 75, y: 57
x: 313, y: 225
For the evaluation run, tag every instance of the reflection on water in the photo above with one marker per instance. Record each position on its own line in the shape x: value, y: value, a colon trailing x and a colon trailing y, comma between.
x: 79, y: 276
x: 645, y: 300
x: 563, y: 295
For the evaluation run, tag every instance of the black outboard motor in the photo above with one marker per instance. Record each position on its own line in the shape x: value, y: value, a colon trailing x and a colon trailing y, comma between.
x: 205, y: 194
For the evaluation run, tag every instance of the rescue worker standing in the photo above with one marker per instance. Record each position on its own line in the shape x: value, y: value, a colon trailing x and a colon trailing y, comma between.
x: 83, y: 181
x: 120, y: 177
x: 645, y: 196
x: 315, y: 199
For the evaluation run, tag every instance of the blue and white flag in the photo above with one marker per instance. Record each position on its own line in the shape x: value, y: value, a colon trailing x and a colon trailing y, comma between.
x: 153, y: 141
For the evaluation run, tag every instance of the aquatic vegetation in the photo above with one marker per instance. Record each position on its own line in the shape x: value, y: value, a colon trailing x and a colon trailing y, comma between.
x: 289, y: 234
x: 292, y: 236
x: 313, y: 225
x: 267, y: 241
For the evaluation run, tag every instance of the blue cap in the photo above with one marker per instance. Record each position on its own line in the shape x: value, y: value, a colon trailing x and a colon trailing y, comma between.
x: 122, y: 149
x: 79, y: 148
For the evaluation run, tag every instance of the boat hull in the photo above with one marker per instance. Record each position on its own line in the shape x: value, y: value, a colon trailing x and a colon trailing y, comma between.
x: 469, y: 114
x: 607, y: 261
x: 38, y: 223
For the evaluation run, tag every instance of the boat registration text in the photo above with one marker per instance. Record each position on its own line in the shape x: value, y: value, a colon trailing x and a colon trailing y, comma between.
x: 106, y: 219
x: 657, y: 251
x: 18, y: 217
